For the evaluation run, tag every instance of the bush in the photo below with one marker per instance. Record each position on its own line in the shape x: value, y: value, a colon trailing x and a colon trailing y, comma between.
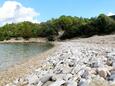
x: 71, y: 26
x: 51, y: 38
x: 70, y: 33
x: 105, y: 24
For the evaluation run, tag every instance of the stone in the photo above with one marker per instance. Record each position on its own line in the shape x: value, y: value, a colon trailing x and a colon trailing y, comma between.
x: 47, y: 83
x: 20, y: 82
x: 68, y: 77
x: 96, y: 64
x: 24, y: 83
x: 57, y: 83
x: 16, y: 81
x: 83, y: 82
x: 98, y: 81
x: 93, y: 71
x: 109, y: 62
x: 113, y: 64
x: 10, y: 84
x: 102, y: 72
x: 57, y: 77
x: 85, y: 74
x: 109, y: 68
x: 71, y: 83
x: 66, y: 69
x: 45, y: 78
x: 74, y: 64
x: 112, y: 83
x: 112, y: 77
x: 33, y: 79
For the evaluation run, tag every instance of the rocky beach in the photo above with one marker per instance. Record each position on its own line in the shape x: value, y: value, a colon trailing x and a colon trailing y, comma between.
x: 57, y: 43
x: 77, y: 62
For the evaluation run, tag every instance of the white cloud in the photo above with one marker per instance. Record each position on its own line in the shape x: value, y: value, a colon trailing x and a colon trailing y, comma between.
x: 110, y: 14
x: 13, y: 12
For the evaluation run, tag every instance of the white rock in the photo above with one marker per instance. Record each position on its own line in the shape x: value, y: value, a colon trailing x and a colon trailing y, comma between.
x: 58, y: 83
x: 39, y: 83
x: 45, y: 78
x: 61, y: 77
x: 112, y: 83
x: 71, y: 83
x: 96, y: 64
x: 10, y: 84
x: 33, y: 79
x: 85, y: 74
x: 56, y: 77
x: 66, y: 69
x: 113, y: 64
x: 83, y: 82
x: 98, y: 81
x: 93, y: 71
x: 16, y: 81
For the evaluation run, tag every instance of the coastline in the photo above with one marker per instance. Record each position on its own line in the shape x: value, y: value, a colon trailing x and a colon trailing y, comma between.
x: 69, y: 57
x: 25, y: 67
x: 21, y: 40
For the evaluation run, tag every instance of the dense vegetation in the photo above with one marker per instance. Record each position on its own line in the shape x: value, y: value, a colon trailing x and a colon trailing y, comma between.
x: 64, y: 27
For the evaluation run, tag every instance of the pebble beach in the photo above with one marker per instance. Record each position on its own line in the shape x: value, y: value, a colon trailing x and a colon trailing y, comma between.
x: 77, y: 62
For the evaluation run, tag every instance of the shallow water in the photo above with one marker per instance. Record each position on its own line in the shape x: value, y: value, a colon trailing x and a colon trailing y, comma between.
x: 13, y: 53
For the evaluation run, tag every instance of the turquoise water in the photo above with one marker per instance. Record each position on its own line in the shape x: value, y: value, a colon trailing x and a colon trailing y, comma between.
x: 13, y: 53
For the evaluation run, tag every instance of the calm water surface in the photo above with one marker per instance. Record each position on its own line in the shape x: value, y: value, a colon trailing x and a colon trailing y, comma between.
x: 13, y: 53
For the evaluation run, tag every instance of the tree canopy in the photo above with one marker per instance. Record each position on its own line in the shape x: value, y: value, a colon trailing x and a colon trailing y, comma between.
x: 69, y: 26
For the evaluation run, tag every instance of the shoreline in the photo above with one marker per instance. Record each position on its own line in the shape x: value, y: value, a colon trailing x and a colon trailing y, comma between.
x: 24, y: 67
x: 64, y: 56
x: 66, y: 66
x: 21, y: 40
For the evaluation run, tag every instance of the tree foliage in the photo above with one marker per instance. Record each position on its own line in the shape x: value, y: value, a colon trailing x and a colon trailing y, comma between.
x: 70, y: 26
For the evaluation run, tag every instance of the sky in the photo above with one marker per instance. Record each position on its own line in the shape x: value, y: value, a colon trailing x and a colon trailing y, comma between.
x: 43, y: 10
